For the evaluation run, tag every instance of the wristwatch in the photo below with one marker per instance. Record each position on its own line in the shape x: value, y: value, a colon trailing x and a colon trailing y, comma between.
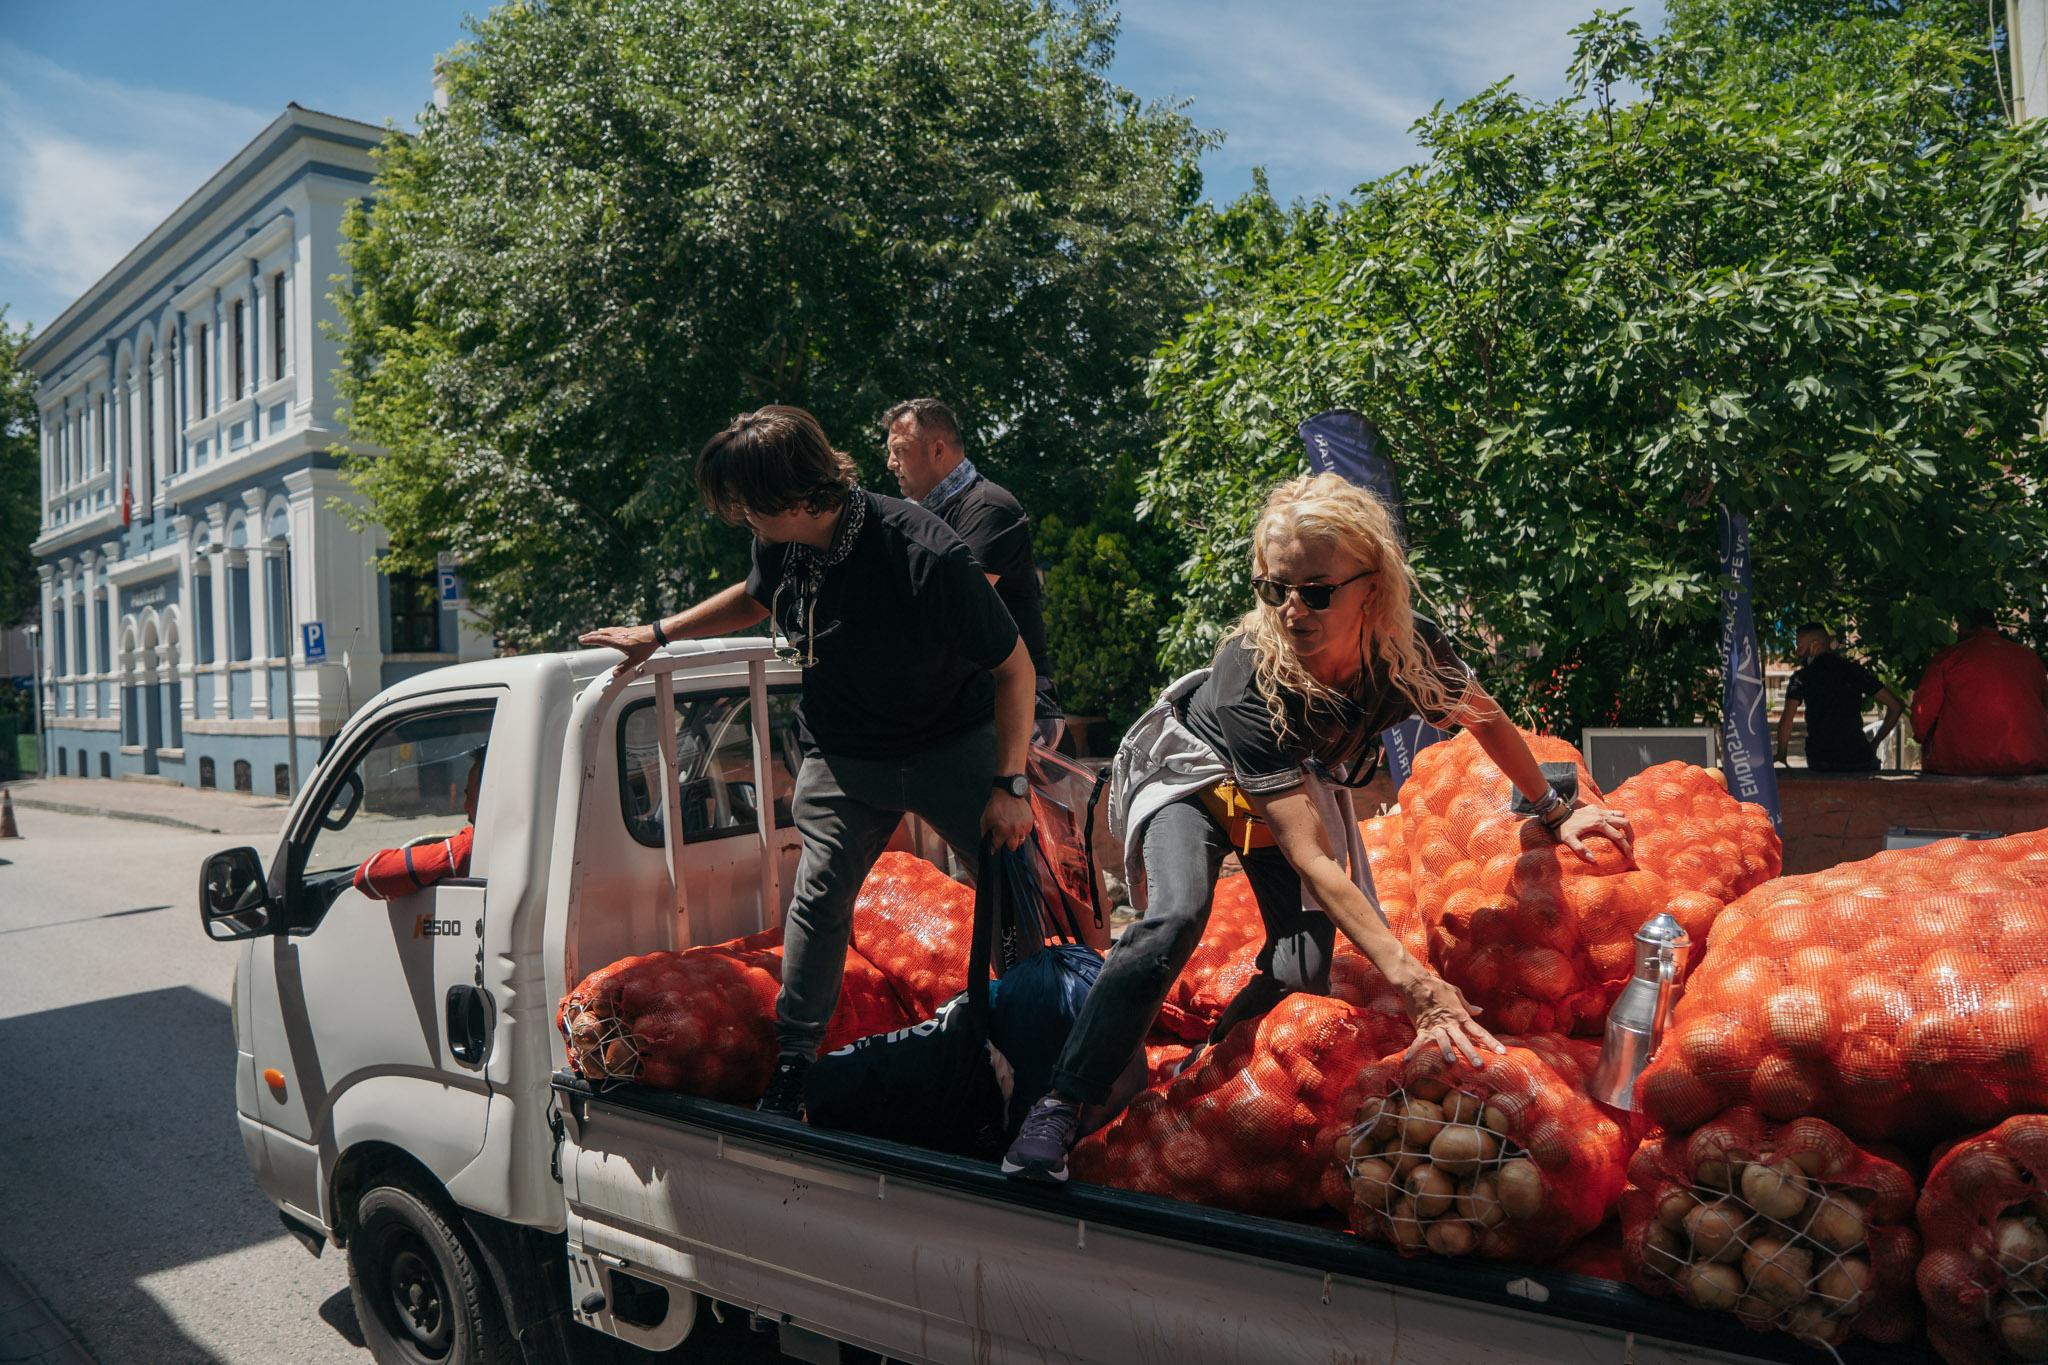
x: 1015, y: 784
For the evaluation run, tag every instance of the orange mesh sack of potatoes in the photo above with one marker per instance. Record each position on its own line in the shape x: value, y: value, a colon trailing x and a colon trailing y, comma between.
x: 1792, y: 1228
x: 1245, y: 1129
x: 1508, y: 1159
x: 1984, y: 1220
x: 1224, y: 959
x: 1393, y: 881
x: 1692, y: 833
x: 1901, y: 997
x: 916, y: 924
x: 1539, y: 937
x: 703, y: 1021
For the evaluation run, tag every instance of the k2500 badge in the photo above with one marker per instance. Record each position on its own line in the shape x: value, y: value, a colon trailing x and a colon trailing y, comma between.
x: 426, y: 926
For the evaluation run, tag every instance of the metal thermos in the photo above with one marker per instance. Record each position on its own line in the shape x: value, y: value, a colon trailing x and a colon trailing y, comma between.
x: 1636, y: 1023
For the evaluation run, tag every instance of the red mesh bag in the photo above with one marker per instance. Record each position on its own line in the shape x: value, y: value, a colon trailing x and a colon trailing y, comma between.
x: 1162, y: 1062
x: 1899, y: 997
x: 1247, y: 1128
x: 1692, y: 833
x: 1223, y: 961
x: 1539, y: 937
x: 1509, y: 1159
x: 703, y: 1021
x: 1393, y: 880
x: 916, y: 924
x: 1792, y: 1228
x: 1984, y: 1219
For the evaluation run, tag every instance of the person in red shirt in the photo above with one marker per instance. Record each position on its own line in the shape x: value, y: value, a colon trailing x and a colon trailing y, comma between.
x: 1982, y: 706
x: 418, y: 865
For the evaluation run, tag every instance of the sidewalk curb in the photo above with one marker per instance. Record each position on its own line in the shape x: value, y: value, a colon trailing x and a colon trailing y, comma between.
x: 30, y: 1330
x: 104, y: 813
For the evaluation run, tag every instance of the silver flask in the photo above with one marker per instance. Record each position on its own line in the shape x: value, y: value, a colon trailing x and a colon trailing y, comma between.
x: 1636, y: 1023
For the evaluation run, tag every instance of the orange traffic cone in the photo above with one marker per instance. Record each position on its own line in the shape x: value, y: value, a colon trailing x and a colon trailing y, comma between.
x: 8, y: 830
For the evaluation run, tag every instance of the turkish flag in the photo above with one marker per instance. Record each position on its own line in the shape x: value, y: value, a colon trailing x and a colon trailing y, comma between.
x: 127, y: 505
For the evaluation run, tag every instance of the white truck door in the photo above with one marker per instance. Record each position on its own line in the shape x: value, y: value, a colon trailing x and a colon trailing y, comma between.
x: 370, y: 1018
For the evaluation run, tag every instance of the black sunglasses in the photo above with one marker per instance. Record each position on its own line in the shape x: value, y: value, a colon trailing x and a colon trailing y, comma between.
x: 1314, y: 596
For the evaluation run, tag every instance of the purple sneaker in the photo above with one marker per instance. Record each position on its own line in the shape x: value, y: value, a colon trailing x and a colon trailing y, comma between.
x: 1040, y: 1151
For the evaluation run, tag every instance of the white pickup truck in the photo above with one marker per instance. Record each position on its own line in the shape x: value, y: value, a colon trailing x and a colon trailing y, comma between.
x: 403, y: 1089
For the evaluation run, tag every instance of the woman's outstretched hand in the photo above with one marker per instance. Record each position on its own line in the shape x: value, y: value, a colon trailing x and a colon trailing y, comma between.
x: 1442, y: 1016
x: 635, y: 642
x: 1587, y: 821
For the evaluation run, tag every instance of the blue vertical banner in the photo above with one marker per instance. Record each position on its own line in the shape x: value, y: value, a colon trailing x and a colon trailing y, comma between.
x: 1344, y: 443
x: 1745, y: 728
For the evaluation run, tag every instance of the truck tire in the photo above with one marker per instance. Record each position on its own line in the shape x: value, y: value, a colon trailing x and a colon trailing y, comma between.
x: 420, y: 1296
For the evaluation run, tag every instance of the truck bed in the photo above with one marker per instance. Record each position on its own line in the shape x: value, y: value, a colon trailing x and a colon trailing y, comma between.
x: 922, y: 1256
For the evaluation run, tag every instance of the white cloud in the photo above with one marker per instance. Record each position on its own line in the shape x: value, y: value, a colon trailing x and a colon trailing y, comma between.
x: 88, y: 167
x: 1323, y: 93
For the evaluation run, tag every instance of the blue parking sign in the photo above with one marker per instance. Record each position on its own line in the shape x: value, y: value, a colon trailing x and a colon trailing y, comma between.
x: 316, y: 641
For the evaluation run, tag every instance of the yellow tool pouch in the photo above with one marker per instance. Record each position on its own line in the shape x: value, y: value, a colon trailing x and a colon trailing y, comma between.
x: 1245, y: 830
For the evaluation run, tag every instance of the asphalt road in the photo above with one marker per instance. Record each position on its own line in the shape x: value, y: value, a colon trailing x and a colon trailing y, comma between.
x: 125, y: 1198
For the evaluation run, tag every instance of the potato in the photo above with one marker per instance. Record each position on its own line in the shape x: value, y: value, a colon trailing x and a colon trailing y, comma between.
x: 1372, y: 1183
x: 1432, y: 1191
x: 1810, y: 1323
x: 1493, y: 1120
x: 619, y: 1058
x: 1451, y: 1237
x: 1430, y: 1088
x: 1461, y: 1149
x: 1844, y: 1287
x: 1378, y: 1121
x: 2024, y: 1330
x: 1716, y: 1231
x: 1404, y: 1162
x: 1663, y: 1251
x: 2019, y: 1244
x: 1462, y: 1106
x: 1836, y: 1223
x: 1673, y: 1207
x: 1776, y: 1189
x: 1757, y: 1315
x: 1423, y: 1122
x: 1777, y: 1271
x: 1717, y: 1287
x: 1404, y: 1226
x: 1521, y: 1188
x: 1479, y: 1204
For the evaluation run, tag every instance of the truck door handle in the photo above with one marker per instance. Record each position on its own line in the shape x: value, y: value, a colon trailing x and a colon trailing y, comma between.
x: 469, y: 1024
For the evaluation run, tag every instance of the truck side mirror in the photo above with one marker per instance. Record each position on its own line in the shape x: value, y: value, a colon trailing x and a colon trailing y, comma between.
x: 234, y: 903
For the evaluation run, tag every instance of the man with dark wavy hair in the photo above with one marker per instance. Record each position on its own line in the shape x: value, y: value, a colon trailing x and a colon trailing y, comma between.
x: 917, y: 691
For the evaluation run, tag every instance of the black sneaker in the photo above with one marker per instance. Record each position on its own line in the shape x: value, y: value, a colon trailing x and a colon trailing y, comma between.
x: 1040, y: 1151
x: 786, y: 1087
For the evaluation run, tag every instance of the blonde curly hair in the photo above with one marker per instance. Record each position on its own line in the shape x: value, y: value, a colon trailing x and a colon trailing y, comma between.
x: 1325, y: 510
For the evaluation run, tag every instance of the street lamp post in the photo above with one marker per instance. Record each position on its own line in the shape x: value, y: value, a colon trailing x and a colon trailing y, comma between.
x: 35, y: 662
x: 281, y: 545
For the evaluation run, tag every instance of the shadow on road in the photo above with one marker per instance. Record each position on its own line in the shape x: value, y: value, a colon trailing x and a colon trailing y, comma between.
x: 339, y: 1312
x: 125, y: 1162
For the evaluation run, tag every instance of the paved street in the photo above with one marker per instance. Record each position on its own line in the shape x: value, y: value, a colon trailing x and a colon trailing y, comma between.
x: 125, y: 1198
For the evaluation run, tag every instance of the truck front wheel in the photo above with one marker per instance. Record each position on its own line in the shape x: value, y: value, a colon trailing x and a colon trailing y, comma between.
x: 420, y: 1296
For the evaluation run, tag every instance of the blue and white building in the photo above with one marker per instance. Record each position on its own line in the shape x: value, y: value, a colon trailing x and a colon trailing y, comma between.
x: 194, y: 516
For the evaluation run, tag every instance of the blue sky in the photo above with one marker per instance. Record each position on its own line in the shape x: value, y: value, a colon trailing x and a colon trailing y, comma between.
x: 113, y: 111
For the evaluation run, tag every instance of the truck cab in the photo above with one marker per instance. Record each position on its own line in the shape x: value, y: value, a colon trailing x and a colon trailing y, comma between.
x: 403, y: 1091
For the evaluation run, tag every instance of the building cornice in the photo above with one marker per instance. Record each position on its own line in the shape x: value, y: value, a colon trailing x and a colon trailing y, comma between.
x: 264, y: 152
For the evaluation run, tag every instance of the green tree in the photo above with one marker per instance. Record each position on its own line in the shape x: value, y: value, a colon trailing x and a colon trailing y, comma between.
x: 20, y: 477
x: 1584, y: 325
x: 634, y: 220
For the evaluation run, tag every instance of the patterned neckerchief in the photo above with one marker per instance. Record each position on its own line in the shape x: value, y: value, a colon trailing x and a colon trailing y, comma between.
x: 950, y: 487
x: 807, y: 566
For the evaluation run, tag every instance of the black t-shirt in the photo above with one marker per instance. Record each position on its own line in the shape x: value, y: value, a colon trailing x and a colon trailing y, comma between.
x: 1228, y: 713
x: 1833, y: 689
x: 995, y: 528
x: 906, y: 630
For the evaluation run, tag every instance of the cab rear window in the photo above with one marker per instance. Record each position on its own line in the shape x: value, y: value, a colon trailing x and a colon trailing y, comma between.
x: 714, y: 766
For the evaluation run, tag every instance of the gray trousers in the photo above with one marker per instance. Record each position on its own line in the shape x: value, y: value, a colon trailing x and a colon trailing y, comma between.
x: 1184, y: 848
x: 846, y: 809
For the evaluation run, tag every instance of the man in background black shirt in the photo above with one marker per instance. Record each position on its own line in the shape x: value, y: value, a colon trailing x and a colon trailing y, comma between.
x: 930, y: 462
x: 1833, y: 688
